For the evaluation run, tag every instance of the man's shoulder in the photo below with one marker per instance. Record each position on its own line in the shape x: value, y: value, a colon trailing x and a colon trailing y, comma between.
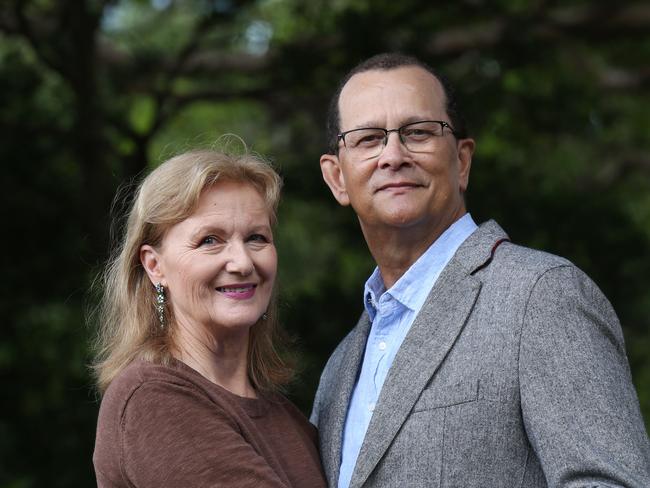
x: 506, y: 254
x: 528, y: 259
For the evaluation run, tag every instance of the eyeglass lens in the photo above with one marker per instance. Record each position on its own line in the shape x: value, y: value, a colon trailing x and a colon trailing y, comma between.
x: 416, y: 137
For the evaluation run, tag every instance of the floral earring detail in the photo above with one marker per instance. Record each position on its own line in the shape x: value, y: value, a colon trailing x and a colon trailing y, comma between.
x: 160, y: 304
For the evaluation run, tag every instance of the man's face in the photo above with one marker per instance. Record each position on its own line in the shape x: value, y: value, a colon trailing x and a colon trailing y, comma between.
x: 398, y: 188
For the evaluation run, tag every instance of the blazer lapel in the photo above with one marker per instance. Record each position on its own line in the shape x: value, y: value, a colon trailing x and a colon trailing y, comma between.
x: 431, y: 336
x: 334, y: 412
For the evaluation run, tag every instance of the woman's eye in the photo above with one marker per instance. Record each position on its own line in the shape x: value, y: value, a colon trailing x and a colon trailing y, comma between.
x: 209, y: 241
x: 258, y: 238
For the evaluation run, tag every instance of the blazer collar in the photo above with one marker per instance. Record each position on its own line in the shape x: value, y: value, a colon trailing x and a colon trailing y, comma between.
x: 433, y: 333
x: 477, y: 250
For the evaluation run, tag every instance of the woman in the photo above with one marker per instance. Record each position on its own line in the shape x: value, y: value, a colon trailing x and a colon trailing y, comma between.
x: 187, y: 359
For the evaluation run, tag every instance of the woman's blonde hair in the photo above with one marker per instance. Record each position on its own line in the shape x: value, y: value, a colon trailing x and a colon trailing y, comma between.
x: 127, y: 319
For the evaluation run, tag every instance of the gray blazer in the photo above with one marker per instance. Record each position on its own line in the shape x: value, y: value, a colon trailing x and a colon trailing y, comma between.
x: 514, y: 374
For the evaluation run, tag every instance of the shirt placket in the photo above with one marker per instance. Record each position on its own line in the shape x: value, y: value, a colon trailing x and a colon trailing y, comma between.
x: 386, y: 314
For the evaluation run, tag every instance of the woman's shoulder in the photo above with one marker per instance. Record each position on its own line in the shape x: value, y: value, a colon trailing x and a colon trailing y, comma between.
x: 125, y: 407
x: 140, y: 372
x: 143, y: 381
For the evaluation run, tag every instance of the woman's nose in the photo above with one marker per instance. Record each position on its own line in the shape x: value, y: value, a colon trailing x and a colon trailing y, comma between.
x: 239, y: 259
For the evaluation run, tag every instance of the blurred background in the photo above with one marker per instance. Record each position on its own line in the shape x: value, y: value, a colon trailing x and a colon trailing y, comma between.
x: 93, y: 93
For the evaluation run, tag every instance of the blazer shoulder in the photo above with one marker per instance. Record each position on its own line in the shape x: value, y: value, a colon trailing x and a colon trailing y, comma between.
x: 489, y: 253
x: 516, y: 270
x: 497, y: 261
x: 538, y: 275
x: 525, y: 260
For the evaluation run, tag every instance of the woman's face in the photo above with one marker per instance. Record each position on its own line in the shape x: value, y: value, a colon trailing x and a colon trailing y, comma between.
x: 218, y: 265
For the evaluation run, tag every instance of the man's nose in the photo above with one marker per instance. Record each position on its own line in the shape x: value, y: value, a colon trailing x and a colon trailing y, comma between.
x: 239, y: 259
x: 394, y: 153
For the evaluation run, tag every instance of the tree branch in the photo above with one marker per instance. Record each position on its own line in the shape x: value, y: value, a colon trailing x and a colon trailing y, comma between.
x: 622, y: 79
x: 23, y: 28
x: 179, y: 63
x: 590, y: 21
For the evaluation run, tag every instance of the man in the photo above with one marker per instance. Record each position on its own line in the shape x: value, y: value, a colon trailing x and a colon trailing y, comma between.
x: 477, y: 363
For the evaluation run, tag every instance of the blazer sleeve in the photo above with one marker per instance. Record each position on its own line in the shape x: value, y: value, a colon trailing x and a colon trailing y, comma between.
x: 172, y: 435
x: 579, y: 406
x: 314, y: 417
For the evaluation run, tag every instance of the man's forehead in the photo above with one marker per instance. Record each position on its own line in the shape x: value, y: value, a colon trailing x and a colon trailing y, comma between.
x: 366, y: 91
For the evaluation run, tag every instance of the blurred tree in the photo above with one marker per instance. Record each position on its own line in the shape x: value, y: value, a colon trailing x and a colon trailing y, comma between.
x: 93, y: 92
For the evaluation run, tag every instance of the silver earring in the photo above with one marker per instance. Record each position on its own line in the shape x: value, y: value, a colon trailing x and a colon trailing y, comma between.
x: 160, y: 304
x: 264, y: 316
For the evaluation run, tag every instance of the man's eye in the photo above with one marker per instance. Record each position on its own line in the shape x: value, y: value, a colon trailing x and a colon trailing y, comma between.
x: 417, y: 133
x: 370, y: 140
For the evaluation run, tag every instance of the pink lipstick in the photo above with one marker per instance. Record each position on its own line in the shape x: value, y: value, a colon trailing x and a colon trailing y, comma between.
x: 239, y: 291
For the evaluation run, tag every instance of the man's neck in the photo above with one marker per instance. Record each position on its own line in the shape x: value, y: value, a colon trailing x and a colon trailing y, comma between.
x: 395, y: 249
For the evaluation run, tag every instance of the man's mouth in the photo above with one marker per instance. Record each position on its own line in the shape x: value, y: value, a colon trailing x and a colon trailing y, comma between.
x: 398, y: 185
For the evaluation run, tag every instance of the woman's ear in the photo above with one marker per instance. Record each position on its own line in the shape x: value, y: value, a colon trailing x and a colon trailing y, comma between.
x: 151, y: 262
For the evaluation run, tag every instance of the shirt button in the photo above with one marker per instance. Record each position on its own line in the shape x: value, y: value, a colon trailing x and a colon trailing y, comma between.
x: 382, y: 346
x: 371, y: 407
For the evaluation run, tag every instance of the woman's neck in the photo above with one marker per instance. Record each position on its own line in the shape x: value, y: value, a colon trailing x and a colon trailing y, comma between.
x: 222, y: 360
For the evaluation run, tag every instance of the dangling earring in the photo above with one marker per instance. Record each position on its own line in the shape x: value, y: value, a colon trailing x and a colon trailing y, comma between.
x: 265, y: 316
x: 160, y: 301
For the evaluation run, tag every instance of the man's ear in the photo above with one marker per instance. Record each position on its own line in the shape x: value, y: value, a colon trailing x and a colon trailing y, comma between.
x: 150, y: 260
x: 330, y: 166
x: 465, y: 153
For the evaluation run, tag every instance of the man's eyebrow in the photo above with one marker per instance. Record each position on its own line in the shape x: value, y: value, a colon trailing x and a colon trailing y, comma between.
x: 367, y: 125
x: 405, y: 121
x: 416, y: 118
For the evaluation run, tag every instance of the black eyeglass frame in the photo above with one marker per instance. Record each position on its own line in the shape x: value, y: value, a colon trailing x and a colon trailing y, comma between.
x: 442, y: 123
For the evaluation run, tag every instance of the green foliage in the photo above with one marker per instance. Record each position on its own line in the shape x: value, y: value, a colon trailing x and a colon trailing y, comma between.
x: 94, y: 93
x: 201, y: 124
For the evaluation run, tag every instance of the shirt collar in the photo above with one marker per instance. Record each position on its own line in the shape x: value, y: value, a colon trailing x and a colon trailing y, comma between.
x: 413, y: 287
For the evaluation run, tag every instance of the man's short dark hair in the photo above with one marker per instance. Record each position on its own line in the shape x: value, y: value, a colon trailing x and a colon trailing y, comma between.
x: 385, y: 62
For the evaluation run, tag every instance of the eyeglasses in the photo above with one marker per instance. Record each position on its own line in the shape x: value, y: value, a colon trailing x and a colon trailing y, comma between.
x: 417, y: 137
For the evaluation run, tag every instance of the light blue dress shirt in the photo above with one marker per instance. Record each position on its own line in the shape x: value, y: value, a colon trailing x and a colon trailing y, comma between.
x: 392, y: 312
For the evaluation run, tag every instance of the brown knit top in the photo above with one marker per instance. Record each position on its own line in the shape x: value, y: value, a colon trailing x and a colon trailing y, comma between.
x: 168, y: 426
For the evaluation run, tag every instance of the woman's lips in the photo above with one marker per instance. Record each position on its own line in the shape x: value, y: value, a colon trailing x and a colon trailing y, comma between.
x: 242, y: 291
